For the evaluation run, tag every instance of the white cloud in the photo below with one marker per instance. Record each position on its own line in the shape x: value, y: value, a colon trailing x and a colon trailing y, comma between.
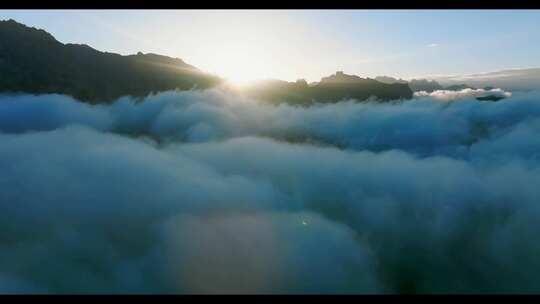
x: 398, y: 197
x: 448, y: 95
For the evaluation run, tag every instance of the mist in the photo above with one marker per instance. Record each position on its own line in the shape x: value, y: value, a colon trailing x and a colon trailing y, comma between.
x: 208, y: 192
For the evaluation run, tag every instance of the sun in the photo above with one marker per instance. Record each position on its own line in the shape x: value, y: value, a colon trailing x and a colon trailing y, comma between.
x: 240, y: 78
x: 242, y: 63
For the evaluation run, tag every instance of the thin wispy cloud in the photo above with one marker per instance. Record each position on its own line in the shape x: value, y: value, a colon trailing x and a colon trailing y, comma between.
x: 432, y: 45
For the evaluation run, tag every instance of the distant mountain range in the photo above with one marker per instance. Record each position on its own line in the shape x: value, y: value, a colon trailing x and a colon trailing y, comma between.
x: 388, y: 79
x: 429, y: 86
x: 333, y: 88
x: 33, y: 61
x: 511, y: 79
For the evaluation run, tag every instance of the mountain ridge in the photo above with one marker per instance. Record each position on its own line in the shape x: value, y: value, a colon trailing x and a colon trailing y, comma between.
x: 333, y: 88
x: 33, y: 61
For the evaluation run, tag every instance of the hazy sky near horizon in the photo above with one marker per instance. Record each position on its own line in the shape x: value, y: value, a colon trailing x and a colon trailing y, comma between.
x: 244, y: 45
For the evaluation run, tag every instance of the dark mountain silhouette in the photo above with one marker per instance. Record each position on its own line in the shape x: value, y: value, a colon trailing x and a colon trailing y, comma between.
x: 33, y: 61
x: 416, y: 85
x: 424, y: 85
x: 389, y: 80
x: 334, y: 88
x: 458, y: 87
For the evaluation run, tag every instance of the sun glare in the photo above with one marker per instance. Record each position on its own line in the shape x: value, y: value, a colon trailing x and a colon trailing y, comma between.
x: 241, y: 64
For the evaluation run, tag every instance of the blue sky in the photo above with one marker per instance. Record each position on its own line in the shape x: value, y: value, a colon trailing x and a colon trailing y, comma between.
x: 309, y: 44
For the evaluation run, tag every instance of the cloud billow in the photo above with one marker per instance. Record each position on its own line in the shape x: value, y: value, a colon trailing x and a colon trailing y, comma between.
x: 208, y: 192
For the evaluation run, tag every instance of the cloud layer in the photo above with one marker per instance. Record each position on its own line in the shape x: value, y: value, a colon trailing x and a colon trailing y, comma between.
x: 447, y: 95
x: 207, y: 192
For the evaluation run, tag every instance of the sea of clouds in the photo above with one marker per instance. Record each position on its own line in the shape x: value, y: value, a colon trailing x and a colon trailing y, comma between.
x: 207, y: 192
